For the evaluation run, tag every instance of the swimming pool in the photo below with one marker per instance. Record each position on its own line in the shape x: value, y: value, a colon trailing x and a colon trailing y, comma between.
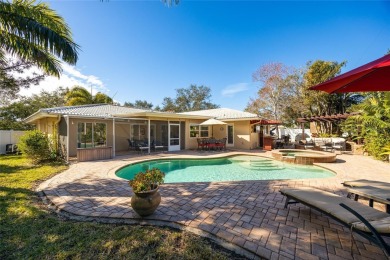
x: 235, y: 168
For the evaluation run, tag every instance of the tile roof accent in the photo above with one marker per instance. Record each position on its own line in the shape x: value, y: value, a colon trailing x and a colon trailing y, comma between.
x: 222, y: 113
x: 96, y: 110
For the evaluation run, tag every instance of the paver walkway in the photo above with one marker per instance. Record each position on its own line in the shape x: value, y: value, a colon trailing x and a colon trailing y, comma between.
x: 247, y: 217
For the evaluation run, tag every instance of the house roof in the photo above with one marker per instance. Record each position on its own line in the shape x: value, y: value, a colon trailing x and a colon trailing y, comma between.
x: 223, y: 114
x: 92, y: 110
x: 104, y: 111
x: 111, y: 111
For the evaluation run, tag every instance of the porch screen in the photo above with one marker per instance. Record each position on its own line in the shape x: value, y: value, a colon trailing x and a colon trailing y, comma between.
x: 91, y: 135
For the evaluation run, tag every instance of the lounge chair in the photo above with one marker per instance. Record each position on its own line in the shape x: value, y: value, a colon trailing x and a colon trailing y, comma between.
x: 364, y: 182
x: 372, y: 190
x: 366, y: 221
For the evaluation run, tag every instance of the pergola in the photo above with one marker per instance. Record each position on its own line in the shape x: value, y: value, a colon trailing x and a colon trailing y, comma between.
x: 324, y: 118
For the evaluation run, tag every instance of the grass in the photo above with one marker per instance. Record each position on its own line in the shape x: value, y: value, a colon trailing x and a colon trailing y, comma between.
x: 29, y: 231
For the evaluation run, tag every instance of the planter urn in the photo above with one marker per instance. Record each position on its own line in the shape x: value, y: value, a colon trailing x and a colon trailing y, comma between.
x: 145, y: 203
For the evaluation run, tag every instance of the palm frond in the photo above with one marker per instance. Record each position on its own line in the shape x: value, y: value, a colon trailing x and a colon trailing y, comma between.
x: 42, y: 28
x: 40, y: 25
x: 16, y: 45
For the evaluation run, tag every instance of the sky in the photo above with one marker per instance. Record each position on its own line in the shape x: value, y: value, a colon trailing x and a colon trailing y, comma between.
x: 146, y: 50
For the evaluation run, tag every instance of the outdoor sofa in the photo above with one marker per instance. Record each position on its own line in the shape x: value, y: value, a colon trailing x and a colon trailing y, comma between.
x: 368, y: 222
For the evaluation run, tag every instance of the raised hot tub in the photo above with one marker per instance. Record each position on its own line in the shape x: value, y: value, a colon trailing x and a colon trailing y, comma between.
x: 306, y: 157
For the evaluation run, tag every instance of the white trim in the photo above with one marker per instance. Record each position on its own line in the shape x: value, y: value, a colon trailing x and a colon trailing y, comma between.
x: 199, y: 135
x: 173, y: 147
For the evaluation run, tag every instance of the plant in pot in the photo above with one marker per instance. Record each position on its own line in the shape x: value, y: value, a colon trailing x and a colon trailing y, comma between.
x: 145, y: 187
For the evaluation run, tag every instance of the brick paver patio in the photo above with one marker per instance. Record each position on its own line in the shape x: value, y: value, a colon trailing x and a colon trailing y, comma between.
x: 247, y: 217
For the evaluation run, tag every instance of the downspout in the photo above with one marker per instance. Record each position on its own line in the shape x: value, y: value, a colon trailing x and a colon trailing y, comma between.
x: 57, y: 135
x: 67, y: 137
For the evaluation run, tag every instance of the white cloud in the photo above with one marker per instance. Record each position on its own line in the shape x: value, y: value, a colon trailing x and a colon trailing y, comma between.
x: 232, y: 90
x: 70, y: 77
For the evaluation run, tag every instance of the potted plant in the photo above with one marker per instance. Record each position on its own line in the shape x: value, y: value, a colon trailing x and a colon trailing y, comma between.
x: 145, y: 187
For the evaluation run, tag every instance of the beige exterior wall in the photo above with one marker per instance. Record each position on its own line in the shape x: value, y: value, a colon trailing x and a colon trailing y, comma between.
x: 122, y: 133
x: 242, y: 134
x: 191, y: 142
x: 254, y: 140
x: 47, y: 125
x: 242, y: 138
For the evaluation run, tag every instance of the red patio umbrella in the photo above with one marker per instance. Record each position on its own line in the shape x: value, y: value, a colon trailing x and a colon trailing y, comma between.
x: 373, y: 76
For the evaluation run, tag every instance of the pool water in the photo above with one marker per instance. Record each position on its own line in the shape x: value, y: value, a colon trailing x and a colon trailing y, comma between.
x: 236, y: 168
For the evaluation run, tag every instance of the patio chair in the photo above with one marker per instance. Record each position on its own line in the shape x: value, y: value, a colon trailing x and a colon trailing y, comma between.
x: 221, y: 144
x: 211, y: 144
x: 156, y: 145
x: 140, y: 146
x: 327, y: 147
x: 338, y: 146
x: 202, y: 144
x: 368, y: 222
x: 132, y: 145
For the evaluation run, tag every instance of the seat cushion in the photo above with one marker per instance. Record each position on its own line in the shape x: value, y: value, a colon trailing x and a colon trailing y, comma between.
x: 381, y: 225
x: 329, y: 203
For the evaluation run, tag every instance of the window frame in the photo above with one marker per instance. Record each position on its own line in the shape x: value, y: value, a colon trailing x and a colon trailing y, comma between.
x: 79, y: 142
x: 198, y: 132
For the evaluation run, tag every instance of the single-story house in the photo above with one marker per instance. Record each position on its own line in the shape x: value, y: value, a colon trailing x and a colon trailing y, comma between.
x: 109, y: 129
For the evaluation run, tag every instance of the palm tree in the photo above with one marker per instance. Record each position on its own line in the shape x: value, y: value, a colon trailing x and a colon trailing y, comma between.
x: 36, y: 34
x: 80, y: 96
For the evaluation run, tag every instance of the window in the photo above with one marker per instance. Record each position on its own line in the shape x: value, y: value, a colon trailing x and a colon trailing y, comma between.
x: 199, y: 131
x: 91, y: 135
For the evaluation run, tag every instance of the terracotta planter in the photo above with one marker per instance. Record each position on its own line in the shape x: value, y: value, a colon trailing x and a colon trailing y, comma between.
x: 145, y: 203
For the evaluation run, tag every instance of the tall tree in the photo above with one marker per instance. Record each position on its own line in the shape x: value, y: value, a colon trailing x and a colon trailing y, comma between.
x: 12, y: 80
x: 13, y: 114
x: 36, y: 34
x: 277, y: 83
x: 168, y: 104
x: 140, y: 104
x: 319, y: 102
x: 80, y: 96
x: 189, y: 99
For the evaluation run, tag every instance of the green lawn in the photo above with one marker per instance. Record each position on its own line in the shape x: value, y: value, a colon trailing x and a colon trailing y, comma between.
x: 29, y: 231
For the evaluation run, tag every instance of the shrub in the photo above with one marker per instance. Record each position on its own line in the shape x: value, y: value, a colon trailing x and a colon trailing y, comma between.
x: 375, y: 145
x: 146, y: 181
x: 36, y: 145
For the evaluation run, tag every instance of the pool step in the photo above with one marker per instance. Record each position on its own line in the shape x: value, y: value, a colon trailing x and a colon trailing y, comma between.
x: 261, y: 166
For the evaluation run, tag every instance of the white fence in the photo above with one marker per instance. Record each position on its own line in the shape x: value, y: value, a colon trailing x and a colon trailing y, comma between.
x: 294, y: 133
x: 9, y: 137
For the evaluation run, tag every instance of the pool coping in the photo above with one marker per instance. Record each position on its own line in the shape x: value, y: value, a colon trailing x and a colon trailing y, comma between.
x: 112, y: 172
